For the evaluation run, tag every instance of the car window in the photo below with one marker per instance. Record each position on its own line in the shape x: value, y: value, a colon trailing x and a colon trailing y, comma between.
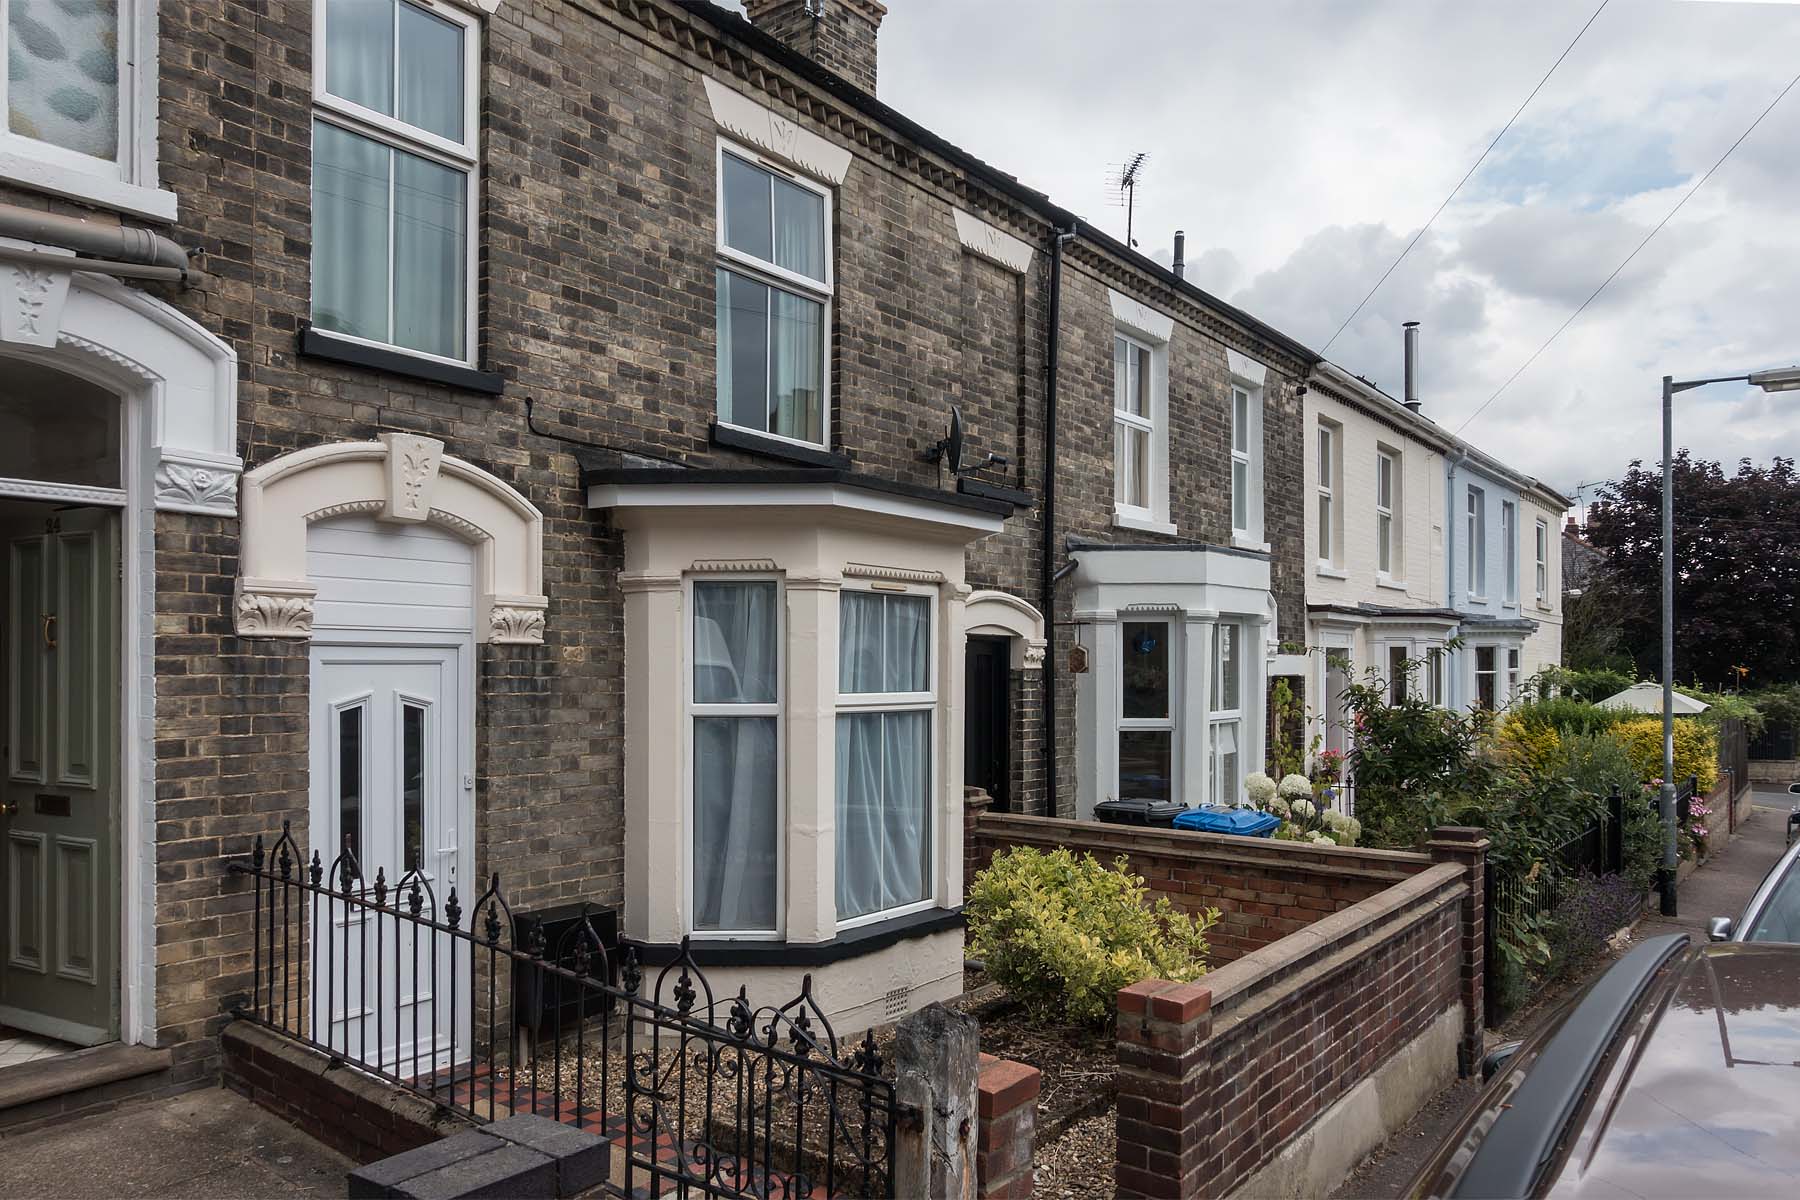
x: 1779, y: 920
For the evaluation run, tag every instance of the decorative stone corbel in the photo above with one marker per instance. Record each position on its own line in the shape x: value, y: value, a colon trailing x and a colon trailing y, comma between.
x: 412, y: 472
x: 31, y: 309
x: 517, y: 620
x: 268, y: 608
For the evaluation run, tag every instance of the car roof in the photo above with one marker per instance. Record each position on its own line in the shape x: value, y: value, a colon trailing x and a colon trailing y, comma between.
x: 1701, y: 1096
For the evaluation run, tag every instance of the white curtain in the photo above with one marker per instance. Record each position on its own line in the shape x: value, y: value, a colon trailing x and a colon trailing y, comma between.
x: 883, y: 811
x: 797, y: 331
x: 431, y: 72
x: 799, y: 230
x: 359, y: 52
x: 350, y: 233
x: 736, y: 660
x: 430, y: 254
x: 883, y: 758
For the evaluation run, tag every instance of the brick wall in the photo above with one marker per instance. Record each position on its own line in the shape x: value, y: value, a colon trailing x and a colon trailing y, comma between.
x: 1263, y: 889
x: 1006, y: 1126
x: 360, y: 1117
x: 1215, y: 1078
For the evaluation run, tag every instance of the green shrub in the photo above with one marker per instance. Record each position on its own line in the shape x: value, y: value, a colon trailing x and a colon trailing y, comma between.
x: 1696, y: 749
x: 1598, y: 763
x: 1643, y: 842
x: 1567, y: 715
x: 1064, y: 934
x: 1723, y: 706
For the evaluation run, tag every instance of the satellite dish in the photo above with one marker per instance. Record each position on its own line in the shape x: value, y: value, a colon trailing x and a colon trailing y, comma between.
x: 953, y: 444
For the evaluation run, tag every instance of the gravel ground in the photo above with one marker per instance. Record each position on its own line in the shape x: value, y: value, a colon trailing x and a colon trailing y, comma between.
x: 1079, y: 1164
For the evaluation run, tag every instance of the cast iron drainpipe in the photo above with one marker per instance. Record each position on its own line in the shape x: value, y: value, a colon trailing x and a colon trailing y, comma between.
x: 1047, y: 568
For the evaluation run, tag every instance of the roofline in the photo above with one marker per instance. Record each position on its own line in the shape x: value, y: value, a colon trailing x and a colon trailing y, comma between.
x: 1366, y: 395
x: 842, y: 89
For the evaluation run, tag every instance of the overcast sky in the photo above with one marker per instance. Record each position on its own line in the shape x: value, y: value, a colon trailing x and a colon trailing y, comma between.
x: 1301, y: 144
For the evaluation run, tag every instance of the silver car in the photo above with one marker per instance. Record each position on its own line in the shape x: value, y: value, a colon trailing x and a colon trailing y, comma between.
x: 1773, y: 914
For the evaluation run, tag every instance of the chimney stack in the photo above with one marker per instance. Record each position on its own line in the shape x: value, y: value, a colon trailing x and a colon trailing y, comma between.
x: 1180, y: 264
x: 839, y: 35
x: 1412, y: 366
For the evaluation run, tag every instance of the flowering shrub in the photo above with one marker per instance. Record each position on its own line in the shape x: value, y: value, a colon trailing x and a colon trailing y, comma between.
x: 1531, y: 747
x: 1260, y: 788
x: 1344, y: 830
x: 1698, y: 811
x: 1064, y: 934
x: 1296, y: 787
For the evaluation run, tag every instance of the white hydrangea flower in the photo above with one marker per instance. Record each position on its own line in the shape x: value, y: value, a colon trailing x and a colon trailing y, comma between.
x: 1321, y: 839
x: 1260, y: 788
x: 1304, y: 809
x: 1279, y: 807
x: 1295, y: 786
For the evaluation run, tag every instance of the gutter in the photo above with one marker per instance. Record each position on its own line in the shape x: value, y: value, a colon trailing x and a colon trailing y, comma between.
x: 101, y: 247
x: 1048, y: 573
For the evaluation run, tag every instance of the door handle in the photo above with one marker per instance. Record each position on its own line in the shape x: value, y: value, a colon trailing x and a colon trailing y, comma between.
x: 49, y: 631
x: 9, y: 808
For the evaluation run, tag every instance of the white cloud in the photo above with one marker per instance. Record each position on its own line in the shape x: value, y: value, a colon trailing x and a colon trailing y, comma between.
x: 1300, y: 145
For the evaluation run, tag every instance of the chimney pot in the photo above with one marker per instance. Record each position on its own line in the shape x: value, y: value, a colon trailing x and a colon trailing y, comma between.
x: 1412, y: 366
x: 839, y: 35
x: 1180, y: 264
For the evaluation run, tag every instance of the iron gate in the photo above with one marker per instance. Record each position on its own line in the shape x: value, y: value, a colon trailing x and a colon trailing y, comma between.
x: 698, y: 1096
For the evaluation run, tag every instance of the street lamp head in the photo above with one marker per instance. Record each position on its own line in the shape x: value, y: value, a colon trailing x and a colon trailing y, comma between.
x: 1781, y: 379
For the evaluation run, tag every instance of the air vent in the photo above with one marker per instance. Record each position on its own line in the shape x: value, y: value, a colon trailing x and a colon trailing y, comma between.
x: 893, y: 1005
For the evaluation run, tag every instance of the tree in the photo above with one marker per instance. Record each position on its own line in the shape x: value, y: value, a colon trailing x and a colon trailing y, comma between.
x: 1737, y: 568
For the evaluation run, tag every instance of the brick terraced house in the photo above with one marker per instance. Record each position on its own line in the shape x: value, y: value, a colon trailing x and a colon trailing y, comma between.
x: 596, y: 443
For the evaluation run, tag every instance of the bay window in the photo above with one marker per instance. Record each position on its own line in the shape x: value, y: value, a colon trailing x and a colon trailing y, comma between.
x: 1225, y: 720
x: 1398, y: 668
x: 1512, y: 674
x: 393, y: 175
x: 886, y: 712
x: 734, y: 711
x: 1486, y: 678
x: 1134, y: 425
x: 1434, y: 675
x: 1146, y: 712
x: 774, y: 294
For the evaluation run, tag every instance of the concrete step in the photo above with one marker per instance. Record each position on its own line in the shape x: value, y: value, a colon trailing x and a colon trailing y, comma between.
x: 69, y: 1076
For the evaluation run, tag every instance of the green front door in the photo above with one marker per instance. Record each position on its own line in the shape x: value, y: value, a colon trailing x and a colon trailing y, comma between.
x: 59, y: 810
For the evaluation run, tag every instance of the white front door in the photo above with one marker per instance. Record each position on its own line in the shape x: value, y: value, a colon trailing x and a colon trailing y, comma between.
x: 390, y: 735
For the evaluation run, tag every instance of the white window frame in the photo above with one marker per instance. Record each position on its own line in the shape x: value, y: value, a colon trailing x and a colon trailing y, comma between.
x: 1215, y: 717
x: 127, y: 183
x: 1387, y: 516
x: 1477, y: 557
x: 1476, y: 673
x: 1246, y: 426
x: 1509, y: 539
x: 1513, y: 660
x: 1328, y: 440
x: 463, y: 156
x: 1171, y: 724
x: 781, y: 278
x: 1398, y: 684
x: 1153, y: 424
x: 848, y: 703
x: 1543, y: 563
x: 1436, y: 675
x: 690, y: 759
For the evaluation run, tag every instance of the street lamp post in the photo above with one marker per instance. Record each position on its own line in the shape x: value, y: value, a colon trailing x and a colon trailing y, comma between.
x: 1785, y: 379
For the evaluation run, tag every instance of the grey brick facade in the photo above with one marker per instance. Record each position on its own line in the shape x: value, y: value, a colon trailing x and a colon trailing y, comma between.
x: 596, y: 243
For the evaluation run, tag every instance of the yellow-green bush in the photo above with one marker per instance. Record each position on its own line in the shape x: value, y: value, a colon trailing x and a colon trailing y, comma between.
x: 1696, y: 748
x: 1534, y: 747
x: 1064, y: 934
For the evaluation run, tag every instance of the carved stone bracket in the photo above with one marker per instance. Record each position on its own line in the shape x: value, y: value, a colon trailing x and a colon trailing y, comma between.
x: 33, y: 309
x: 185, y: 484
x: 273, y: 609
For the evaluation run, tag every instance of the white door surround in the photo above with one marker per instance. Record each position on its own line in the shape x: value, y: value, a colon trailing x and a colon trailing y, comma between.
x: 402, y: 479
x: 178, y: 383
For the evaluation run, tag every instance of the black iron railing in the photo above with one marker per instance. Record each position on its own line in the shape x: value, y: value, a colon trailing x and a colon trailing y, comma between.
x: 698, y: 1097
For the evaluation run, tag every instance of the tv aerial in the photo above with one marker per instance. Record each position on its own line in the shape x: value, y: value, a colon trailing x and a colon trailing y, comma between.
x: 1125, y: 185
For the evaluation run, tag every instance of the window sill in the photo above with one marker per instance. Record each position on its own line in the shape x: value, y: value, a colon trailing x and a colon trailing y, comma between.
x: 748, y: 440
x: 316, y: 343
x: 850, y: 943
x: 1472, y: 598
x: 1143, y: 524
x: 1389, y: 582
x: 151, y: 203
x: 1327, y: 571
x: 1241, y: 541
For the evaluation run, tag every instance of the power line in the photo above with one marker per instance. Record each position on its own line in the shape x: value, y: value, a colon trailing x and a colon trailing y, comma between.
x: 1689, y: 195
x: 1465, y: 178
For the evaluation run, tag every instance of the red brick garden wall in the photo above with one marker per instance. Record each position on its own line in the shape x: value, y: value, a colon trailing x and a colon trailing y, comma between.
x: 1215, y: 1078
x: 1263, y: 889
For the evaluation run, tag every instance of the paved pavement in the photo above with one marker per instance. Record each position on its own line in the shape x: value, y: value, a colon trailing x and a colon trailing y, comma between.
x: 1723, y: 886
x: 204, y: 1144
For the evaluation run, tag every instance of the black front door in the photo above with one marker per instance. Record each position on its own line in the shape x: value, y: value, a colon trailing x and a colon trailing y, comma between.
x: 987, y: 757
